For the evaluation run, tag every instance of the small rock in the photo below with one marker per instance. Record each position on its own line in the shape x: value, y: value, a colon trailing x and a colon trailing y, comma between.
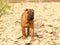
x: 19, y: 37
x: 28, y: 43
x: 15, y: 42
x: 50, y: 25
x: 51, y: 32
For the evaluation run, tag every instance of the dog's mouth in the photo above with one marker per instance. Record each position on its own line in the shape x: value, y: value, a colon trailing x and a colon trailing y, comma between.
x: 30, y: 16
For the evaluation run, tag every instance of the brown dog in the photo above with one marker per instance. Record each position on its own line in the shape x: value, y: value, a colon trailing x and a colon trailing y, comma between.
x: 27, y: 21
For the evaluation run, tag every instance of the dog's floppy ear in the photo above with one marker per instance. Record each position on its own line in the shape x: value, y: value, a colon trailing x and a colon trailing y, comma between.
x: 26, y: 9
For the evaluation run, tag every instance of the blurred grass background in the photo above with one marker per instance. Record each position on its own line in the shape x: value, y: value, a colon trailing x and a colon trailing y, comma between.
x: 18, y: 1
x: 4, y: 4
x: 4, y: 7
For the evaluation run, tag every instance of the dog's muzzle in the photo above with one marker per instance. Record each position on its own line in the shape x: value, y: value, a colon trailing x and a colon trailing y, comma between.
x: 30, y: 17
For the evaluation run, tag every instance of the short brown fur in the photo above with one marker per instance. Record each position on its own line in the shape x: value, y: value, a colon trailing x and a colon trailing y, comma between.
x: 27, y: 24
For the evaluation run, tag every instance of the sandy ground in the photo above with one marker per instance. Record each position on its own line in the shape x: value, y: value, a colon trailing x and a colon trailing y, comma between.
x: 46, y: 25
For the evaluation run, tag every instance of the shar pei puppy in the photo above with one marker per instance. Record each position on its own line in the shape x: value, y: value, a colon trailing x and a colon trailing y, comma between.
x: 27, y: 21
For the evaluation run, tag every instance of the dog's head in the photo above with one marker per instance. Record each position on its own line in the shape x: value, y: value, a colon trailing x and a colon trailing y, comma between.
x: 30, y: 13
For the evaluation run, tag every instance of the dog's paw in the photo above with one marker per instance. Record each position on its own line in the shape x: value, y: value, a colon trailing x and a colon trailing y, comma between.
x: 32, y: 40
x: 23, y: 37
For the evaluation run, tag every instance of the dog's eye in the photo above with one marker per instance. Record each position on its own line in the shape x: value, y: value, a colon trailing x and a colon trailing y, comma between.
x: 26, y: 10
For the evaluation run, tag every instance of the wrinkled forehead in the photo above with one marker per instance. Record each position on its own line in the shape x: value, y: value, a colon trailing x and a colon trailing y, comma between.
x: 29, y: 10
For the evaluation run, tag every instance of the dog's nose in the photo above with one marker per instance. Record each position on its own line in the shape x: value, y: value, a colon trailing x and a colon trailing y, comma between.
x: 30, y: 17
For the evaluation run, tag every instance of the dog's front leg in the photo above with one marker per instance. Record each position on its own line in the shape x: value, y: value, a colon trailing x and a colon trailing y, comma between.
x: 23, y: 33
x: 32, y: 33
